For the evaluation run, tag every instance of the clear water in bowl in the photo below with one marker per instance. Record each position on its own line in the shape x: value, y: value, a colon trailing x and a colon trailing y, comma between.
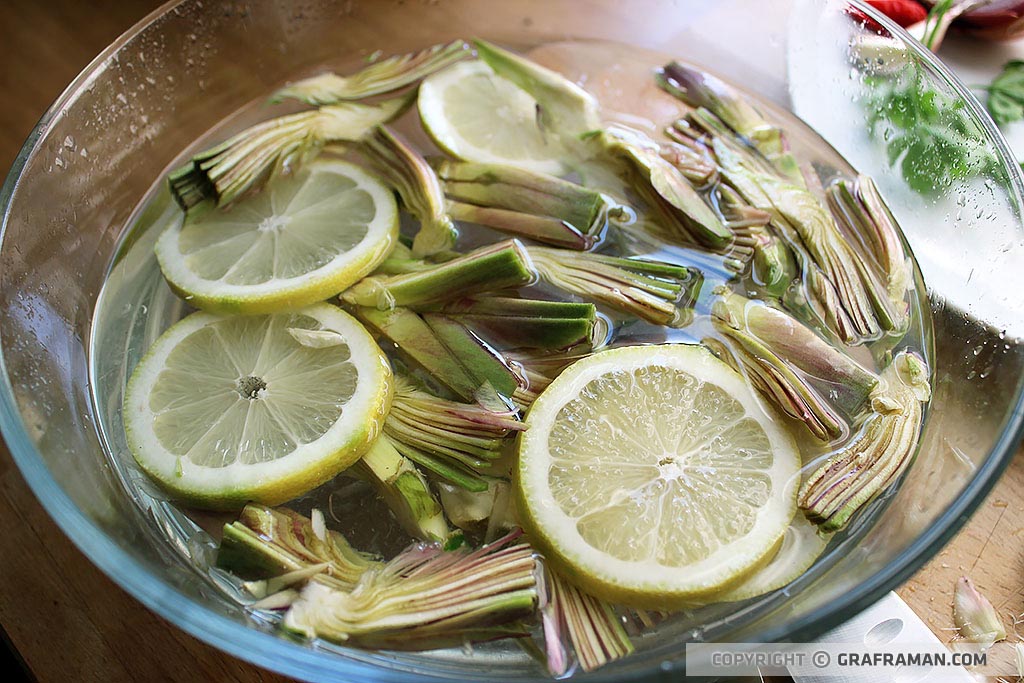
x: 135, y: 306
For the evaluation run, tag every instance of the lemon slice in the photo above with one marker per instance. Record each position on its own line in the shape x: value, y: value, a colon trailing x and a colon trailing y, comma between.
x: 304, y: 238
x: 228, y: 409
x: 801, y: 545
x: 652, y: 475
x: 474, y: 114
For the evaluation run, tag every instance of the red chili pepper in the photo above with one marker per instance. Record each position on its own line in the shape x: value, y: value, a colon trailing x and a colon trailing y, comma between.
x: 903, y: 12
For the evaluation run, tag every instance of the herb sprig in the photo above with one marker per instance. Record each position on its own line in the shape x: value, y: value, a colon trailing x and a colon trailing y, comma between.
x: 928, y: 133
x: 1006, y: 94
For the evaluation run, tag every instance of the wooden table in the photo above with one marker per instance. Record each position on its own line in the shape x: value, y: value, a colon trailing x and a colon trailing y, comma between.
x: 65, y: 620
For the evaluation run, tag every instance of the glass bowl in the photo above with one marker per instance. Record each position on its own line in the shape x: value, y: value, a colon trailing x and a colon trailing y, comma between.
x: 77, y: 183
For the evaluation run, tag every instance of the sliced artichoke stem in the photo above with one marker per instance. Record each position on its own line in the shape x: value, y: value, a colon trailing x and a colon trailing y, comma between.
x: 589, y: 624
x: 878, y: 454
x: 813, y: 235
x: 771, y: 346
x: 699, y: 89
x: 692, y: 159
x: 546, y: 229
x: 546, y: 333
x: 522, y: 323
x: 244, y: 553
x: 664, y: 186
x: 447, y: 350
x: 426, y: 598
x: 773, y: 264
x: 502, y: 265
x: 401, y: 261
x: 405, y: 490
x: 658, y: 292
x: 381, y: 77
x: 496, y: 305
x: 565, y: 110
x: 265, y: 543
x: 861, y: 210
x: 488, y: 367
x: 514, y: 189
x: 246, y: 161
x: 413, y: 339
x: 456, y: 441
x: 417, y: 186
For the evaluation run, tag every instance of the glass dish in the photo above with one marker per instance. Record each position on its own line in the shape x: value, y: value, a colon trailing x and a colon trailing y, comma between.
x: 123, y: 122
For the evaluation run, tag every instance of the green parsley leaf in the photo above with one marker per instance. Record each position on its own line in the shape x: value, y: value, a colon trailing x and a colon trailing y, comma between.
x: 1006, y: 94
x: 928, y: 134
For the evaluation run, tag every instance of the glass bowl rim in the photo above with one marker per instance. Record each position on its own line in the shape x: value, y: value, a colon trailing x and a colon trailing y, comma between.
x: 275, y: 654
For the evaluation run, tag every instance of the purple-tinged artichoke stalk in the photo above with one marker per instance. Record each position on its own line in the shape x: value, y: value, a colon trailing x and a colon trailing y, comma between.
x: 586, y: 623
x: 426, y: 598
x: 265, y: 543
x: 417, y: 186
x: 664, y: 187
x: 455, y: 441
x: 834, y: 272
x: 248, y: 160
x: 658, y: 292
x: 860, y: 209
x: 772, y: 265
x: 878, y: 454
x: 699, y: 89
x: 779, y: 353
x: 387, y: 75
